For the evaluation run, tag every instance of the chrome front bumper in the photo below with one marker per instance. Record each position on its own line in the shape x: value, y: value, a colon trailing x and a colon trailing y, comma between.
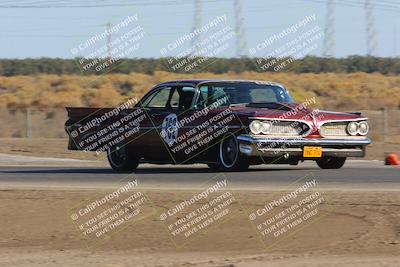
x: 275, y: 147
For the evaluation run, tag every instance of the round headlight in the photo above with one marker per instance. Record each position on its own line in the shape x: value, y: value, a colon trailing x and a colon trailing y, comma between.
x: 256, y: 127
x: 266, y: 127
x: 352, y: 128
x: 363, y: 128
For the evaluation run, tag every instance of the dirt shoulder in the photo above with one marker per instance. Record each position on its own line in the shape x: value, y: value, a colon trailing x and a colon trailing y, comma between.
x: 44, y: 147
x: 358, y: 229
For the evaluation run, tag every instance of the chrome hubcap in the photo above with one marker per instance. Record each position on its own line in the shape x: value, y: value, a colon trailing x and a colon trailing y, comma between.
x: 118, y: 155
x: 229, y: 151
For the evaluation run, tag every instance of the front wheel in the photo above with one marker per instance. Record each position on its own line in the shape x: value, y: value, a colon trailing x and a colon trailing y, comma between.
x: 121, y: 159
x: 229, y: 157
x: 213, y: 166
x: 331, y: 163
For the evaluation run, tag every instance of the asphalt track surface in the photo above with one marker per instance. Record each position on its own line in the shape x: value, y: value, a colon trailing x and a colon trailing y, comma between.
x: 355, y: 175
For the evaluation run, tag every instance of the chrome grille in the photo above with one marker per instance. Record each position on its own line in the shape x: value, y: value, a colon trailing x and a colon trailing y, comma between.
x: 289, y: 128
x: 334, y: 129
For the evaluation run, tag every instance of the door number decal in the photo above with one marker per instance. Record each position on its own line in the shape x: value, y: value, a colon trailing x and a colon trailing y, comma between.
x: 169, y: 129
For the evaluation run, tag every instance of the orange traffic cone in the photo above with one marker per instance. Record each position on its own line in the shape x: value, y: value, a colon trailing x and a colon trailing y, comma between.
x: 391, y: 159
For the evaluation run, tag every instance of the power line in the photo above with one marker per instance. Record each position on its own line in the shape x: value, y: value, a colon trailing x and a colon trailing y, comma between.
x: 349, y: 3
x: 97, y: 5
x: 376, y: 4
x: 88, y: 4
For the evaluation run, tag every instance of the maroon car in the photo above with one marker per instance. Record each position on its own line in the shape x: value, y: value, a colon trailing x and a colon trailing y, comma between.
x: 228, y: 125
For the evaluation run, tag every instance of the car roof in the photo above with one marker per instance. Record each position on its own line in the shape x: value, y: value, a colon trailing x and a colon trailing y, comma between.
x: 198, y: 81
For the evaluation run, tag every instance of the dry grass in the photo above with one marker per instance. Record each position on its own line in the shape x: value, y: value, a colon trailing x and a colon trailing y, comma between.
x: 332, y: 90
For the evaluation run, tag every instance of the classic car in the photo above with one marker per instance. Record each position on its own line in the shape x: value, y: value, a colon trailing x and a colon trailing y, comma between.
x: 228, y: 125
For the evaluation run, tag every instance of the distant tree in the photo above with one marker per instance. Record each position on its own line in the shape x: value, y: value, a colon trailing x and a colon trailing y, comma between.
x: 309, y: 64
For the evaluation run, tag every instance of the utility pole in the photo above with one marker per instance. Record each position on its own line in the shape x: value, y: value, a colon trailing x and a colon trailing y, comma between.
x: 109, y: 41
x: 196, y: 23
x: 329, y: 33
x: 372, y: 43
x: 239, y: 29
x: 394, y: 41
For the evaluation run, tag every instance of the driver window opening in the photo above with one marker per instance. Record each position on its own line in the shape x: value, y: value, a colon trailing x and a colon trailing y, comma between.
x: 177, y: 97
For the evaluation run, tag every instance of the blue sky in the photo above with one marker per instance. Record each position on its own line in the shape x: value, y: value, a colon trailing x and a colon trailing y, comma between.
x: 52, y: 32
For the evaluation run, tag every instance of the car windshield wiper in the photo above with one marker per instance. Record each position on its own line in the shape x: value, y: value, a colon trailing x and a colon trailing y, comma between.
x: 238, y: 104
x: 270, y: 105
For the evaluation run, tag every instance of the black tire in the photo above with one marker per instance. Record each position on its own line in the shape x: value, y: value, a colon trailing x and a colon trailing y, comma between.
x: 229, y: 158
x: 213, y: 166
x: 121, y: 160
x: 331, y: 163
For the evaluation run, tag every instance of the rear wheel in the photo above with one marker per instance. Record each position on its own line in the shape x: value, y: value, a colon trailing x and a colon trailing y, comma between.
x: 229, y: 157
x: 121, y: 159
x: 331, y: 163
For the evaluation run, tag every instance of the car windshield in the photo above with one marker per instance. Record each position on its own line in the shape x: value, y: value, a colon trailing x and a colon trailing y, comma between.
x: 241, y: 93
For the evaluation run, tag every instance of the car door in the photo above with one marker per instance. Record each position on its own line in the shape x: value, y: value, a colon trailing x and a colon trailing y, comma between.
x: 195, y: 129
x: 157, y: 107
x: 180, y: 147
x: 166, y: 109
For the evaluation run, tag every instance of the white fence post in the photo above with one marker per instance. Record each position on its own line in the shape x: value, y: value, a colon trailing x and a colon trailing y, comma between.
x: 28, y: 123
x: 385, y: 124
